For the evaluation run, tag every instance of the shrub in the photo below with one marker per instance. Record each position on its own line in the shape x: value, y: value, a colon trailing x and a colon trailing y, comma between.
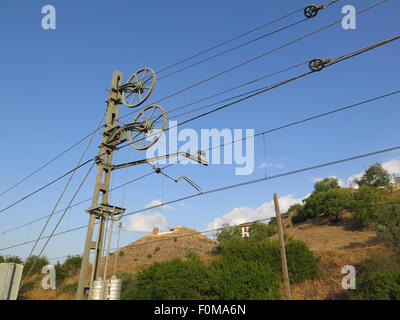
x: 244, y: 280
x: 302, y: 264
x: 174, y: 279
x: 13, y: 259
x: 70, y: 266
x: 260, y: 231
x: 121, y: 253
x: 126, y: 281
x: 379, y: 285
x: 229, y: 235
x: 36, y: 264
x: 388, y: 224
x: 175, y: 239
x: 156, y: 250
x: 364, y: 206
x: 191, y: 254
x: 149, y: 256
x: 293, y: 209
x: 300, y: 216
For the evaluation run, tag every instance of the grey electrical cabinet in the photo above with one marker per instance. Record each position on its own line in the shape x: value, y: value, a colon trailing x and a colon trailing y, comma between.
x: 10, y: 278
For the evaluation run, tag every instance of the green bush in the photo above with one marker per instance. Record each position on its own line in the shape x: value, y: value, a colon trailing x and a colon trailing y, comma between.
x: 35, y: 264
x: 243, y: 270
x: 292, y: 209
x: 121, y: 253
x: 388, y: 224
x: 12, y: 259
x: 244, y: 280
x: 149, y: 256
x: 171, y: 280
x: 301, y: 215
x: 365, y: 205
x: 70, y: 266
x: 378, y: 285
x: 302, y: 264
x: 126, y: 281
x: 259, y: 231
x: 156, y: 250
x: 192, y: 254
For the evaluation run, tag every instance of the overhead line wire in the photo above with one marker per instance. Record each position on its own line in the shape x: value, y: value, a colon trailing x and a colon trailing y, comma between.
x: 165, y: 68
x: 260, y: 56
x: 263, y: 89
x: 66, y: 186
x: 245, y: 183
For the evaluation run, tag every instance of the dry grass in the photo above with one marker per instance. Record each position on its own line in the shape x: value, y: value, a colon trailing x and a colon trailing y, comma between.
x: 336, y: 245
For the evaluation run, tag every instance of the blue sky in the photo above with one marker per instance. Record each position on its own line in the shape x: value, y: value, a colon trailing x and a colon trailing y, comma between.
x: 54, y: 83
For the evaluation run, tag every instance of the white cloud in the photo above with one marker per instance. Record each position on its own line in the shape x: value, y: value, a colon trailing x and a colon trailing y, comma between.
x: 393, y: 166
x: 247, y: 214
x: 146, y: 223
x: 157, y: 203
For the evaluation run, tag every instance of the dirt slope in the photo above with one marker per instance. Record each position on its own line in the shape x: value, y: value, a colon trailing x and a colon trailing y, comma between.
x: 134, y: 257
x: 336, y: 244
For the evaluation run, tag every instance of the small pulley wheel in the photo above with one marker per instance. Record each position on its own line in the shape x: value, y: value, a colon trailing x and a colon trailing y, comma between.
x: 311, y: 11
x: 316, y: 64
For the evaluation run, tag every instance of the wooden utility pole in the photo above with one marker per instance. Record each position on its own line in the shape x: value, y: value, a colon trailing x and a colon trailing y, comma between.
x: 282, y: 246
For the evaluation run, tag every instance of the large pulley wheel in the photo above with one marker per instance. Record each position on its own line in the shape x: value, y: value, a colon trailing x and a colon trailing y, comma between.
x: 150, y: 122
x: 138, y: 87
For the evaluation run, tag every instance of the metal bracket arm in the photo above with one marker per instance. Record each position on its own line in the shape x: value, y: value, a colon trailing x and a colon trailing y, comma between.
x: 198, y: 159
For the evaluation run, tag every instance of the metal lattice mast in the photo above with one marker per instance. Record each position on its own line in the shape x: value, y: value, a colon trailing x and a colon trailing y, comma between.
x: 149, y: 119
x: 100, y: 207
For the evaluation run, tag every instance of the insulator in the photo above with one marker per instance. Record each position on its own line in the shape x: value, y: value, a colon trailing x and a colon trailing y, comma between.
x: 96, y: 289
x: 115, y: 288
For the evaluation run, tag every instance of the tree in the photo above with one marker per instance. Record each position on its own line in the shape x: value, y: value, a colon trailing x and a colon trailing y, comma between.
x: 375, y: 176
x: 225, y: 236
x: 326, y: 184
x: 35, y: 263
x: 388, y: 227
x: 365, y: 204
x: 259, y: 231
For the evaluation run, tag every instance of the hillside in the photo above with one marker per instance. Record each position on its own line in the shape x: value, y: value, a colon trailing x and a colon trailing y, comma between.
x: 336, y: 245
x: 134, y: 257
